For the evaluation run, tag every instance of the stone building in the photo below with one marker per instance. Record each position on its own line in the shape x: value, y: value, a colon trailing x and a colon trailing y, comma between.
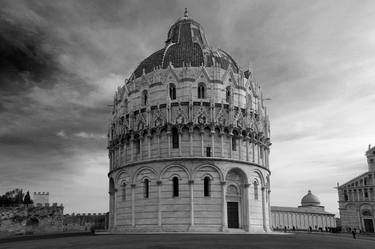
x: 23, y: 219
x: 41, y: 198
x: 189, y: 142
x: 309, y: 215
x: 357, y: 198
x: 85, y: 221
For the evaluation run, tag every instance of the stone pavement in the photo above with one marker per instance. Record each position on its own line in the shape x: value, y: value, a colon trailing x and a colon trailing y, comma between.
x: 187, y: 241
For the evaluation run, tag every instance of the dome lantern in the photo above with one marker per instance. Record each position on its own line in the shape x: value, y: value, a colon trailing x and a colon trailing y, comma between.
x: 310, y: 200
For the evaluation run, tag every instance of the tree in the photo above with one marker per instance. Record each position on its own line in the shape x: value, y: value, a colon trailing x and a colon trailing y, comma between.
x: 27, y: 199
x: 11, y: 198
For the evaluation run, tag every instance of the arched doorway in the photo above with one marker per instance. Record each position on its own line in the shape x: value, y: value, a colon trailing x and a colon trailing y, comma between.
x: 233, y: 204
x: 235, y: 199
x: 367, y: 219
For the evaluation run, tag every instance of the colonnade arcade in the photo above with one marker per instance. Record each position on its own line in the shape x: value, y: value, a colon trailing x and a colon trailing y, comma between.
x: 237, y: 191
x: 215, y: 141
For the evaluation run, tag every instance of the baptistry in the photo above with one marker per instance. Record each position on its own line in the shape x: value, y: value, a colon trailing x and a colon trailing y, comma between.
x: 189, y: 141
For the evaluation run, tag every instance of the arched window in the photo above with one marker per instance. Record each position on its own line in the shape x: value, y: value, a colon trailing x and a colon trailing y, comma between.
x: 175, y: 187
x: 208, y: 151
x: 227, y: 94
x: 137, y: 146
x: 172, y: 91
x: 234, y: 143
x: 146, y: 188
x: 201, y: 91
x: 346, y: 198
x: 124, y: 191
x: 256, y: 191
x: 207, y: 186
x: 144, y: 97
x: 175, y: 138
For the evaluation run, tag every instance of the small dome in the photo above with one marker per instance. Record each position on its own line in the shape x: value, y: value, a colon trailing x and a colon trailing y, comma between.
x: 186, y: 44
x: 310, y: 200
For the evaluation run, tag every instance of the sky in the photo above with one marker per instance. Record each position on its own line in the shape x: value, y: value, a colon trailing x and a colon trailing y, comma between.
x: 62, y: 61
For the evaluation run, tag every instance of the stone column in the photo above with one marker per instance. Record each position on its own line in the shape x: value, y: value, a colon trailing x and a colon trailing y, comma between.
x: 114, y: 158
x: 269, y: 204
x: 179, y: 141
x: 191, y: 132
x: 120, y: 154
x: 224, y: 206
x: 230, y: 144
x: 202, y: 145
x: 253, y: 150
x: 149, y: 145
x: 191, y: 188
x: 264, y: 210
x: 239, y: 145
x: 133, y: 204
x: 246, y: 222
x: 222, y: 143
x: 125, y: 154
x: 132, y: 148
x: 140, y: 148
x: 159, y: 183
x: 169, y: 143
x: 112, y: 208
x: 110, y: 159
x: 213, y: 142
x: 247, y: 148
x: 159, y: 149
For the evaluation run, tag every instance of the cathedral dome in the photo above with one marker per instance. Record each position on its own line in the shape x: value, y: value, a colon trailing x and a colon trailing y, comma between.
x: 310, y: 200
x: 186, y: 45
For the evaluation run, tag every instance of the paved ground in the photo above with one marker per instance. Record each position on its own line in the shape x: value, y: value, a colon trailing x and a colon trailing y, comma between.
x: 204, y: 241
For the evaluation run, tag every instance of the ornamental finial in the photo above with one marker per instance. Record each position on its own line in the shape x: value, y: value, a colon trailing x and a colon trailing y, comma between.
x: 186, y: 14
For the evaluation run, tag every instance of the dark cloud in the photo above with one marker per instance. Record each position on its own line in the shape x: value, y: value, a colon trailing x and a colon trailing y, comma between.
x: 60, y: 63
x: 28, y: 55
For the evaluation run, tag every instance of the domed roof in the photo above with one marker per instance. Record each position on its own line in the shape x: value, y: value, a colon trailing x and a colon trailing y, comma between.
x: 186, y: 44
x: 310, y: 200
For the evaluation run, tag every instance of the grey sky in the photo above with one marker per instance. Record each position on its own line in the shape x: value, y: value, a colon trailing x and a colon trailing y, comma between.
x: 61, y: 62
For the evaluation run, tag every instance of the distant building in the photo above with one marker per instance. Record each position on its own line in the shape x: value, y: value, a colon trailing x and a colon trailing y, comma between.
x: 41, y: 198
x: 357, y: 199
x: 309, y: 215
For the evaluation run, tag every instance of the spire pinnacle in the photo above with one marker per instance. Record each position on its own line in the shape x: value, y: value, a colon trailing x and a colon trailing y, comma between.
x: 186, y: 14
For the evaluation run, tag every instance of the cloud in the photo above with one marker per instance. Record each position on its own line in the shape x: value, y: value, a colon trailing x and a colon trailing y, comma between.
x: 61, y: 63
x: 83, y: 134
x: 61, y: 133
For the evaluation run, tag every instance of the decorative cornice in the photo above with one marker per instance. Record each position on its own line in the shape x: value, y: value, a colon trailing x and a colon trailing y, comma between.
x: 188, y: 158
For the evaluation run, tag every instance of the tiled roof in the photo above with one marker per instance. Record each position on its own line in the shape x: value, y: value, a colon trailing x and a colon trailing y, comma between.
x: 186, y: 45
x: 297, y: 210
